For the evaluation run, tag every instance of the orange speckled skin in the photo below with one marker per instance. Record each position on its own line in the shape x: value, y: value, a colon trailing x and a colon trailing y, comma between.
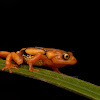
x: 38, y: 56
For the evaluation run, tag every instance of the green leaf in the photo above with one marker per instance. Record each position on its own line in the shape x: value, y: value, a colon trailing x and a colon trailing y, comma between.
x: 63, y: 81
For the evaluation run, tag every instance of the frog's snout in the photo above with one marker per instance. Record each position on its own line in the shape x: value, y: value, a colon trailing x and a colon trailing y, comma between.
x: 73, y: 61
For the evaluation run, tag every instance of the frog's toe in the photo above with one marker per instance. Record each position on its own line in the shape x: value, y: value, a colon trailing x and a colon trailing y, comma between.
x: 9, y: 67
x: 32, y: 69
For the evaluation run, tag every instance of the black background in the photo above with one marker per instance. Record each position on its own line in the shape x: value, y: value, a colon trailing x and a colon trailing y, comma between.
x: 46, y: 24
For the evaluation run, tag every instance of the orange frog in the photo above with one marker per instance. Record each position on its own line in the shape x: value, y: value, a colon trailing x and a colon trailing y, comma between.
x: 38, y: 56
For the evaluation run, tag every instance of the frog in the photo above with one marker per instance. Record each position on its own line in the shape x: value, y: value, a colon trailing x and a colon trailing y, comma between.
x: 38, y: 56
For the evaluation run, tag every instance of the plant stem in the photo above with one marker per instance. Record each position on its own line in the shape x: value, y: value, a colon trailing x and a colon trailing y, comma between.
x: 63, y: 81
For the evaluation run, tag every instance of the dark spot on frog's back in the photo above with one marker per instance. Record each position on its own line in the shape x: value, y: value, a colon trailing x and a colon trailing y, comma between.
x: 24, y: 53
x: 42, y: 49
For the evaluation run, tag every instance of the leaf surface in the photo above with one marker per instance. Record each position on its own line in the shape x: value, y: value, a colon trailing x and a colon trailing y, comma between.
x: 61, y: 80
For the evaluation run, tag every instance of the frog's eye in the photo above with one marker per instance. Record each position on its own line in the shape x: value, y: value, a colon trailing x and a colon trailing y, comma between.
x: 65, y: 56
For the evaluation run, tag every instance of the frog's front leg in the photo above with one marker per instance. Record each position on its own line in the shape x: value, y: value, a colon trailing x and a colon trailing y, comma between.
x: 56, y: 69
x: 32, y: 61
x: 8, y: 65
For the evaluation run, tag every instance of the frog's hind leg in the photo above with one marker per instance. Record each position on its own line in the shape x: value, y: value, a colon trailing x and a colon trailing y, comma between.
x: 8, y: 65
x: 4, y: 54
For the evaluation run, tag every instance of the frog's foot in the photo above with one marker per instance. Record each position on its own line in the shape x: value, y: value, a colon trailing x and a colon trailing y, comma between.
x: 9, y: 66
x: 32, y: 69
x: 1, y: 59
x: 56, y: 70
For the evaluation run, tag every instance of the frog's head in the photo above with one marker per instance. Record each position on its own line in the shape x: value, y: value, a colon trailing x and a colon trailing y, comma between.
x: 62, y: 57
x: 68, y: 58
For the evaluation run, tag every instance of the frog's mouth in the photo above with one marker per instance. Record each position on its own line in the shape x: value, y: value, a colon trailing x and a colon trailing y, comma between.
x: 72, y: 61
